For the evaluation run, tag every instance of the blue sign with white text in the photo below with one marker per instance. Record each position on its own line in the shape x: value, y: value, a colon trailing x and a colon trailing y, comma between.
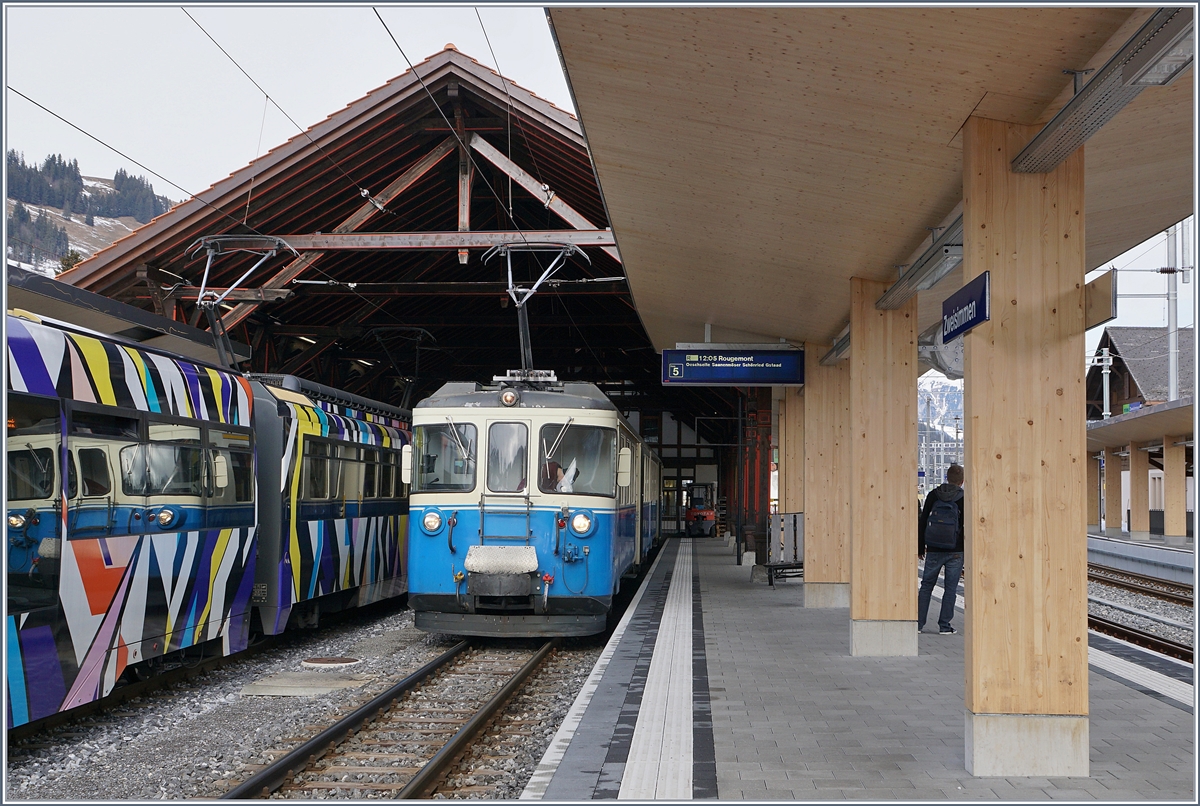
x: 967, y: 307
x: 733, y: 367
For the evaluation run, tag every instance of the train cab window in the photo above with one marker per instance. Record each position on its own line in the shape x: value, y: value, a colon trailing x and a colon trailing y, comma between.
x: 507, y: 467
x: 577, y: 459
x: 445, y: 457
x: 93, y: 467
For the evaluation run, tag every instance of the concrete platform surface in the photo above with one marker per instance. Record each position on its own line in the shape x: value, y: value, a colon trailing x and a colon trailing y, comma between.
x: 781, y: 711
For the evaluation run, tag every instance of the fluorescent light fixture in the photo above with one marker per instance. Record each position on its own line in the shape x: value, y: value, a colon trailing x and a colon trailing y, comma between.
x: 1156, y: 55
x: 307, y: 339
x: 364, y: 362
x: 840, y: 349
x: 941, y: 258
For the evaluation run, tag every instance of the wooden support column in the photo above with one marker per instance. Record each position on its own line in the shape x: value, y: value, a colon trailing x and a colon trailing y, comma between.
x: 1174, y: 490
x: 791, y: 450
x: 1114, y: 511
x: 827, y: 469
x: 1139, y: 491
x: 883, y: 473
x: 1093, y: 493
x: 1025, y: 460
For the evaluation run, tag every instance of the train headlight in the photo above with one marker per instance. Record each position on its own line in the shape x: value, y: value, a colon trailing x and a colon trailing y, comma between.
x: 509, y: 397
x: 16, y: 520
x: 165, y: 517
x: 432, y: 521
x: 581, y: 523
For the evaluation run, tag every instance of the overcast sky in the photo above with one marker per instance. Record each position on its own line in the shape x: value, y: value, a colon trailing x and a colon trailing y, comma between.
x: 150, y: 83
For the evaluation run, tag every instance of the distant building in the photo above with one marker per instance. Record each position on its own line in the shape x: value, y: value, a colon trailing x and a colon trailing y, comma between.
x: 1139, y: 369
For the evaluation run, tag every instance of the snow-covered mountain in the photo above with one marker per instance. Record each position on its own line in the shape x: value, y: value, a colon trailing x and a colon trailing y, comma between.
x: 84, y: 239
x: 939, y: 402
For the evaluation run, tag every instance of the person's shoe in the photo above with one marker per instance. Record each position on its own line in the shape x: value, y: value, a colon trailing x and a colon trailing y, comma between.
x: 947, y: 631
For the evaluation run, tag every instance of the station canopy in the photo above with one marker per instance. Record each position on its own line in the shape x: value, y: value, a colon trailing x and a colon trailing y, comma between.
x: 379, y: 217
x: 753, y: 160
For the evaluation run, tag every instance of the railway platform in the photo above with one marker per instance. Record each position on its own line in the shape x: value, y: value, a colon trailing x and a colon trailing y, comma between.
x: 713, y: 687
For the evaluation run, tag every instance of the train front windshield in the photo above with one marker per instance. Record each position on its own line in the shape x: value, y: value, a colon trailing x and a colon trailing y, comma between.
x: 577, y: 459
x: 445, y: 457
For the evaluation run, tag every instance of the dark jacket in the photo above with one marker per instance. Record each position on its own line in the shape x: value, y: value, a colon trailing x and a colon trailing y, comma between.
x: 946, y: 492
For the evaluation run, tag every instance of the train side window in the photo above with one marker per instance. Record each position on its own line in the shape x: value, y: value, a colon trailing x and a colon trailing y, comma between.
x: 387, y: 474
x: 87, y: 423
x: 315, y: 471
x: 93, y: 467
x: 233, y: 450
x: 30, y: 473
x: 370, y: 473
x: 72, y: 477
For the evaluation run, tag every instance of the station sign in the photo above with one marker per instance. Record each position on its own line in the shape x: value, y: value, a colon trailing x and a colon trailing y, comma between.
x: 967, y: 307
x: 732, y: 367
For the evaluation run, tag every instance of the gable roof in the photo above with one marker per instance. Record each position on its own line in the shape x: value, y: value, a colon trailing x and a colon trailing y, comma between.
x: 1144, y: 351
x: 379, y: 317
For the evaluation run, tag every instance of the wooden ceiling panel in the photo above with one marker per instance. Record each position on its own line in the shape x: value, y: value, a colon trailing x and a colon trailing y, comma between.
x: 753, y: 160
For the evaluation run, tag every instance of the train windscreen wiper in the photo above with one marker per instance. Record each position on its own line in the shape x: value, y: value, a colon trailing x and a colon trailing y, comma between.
x: 558, y: 439
x: 458, y: 440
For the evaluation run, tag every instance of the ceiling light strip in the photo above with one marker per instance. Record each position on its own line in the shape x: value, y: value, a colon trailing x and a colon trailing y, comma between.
x: 936, y: 262
x: 1156, y: 55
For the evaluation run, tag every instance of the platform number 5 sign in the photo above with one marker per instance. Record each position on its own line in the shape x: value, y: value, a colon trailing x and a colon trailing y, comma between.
x: 676, y: 370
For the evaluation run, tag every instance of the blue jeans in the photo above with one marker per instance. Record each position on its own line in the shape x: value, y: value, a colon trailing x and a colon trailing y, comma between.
x: 934, y: 560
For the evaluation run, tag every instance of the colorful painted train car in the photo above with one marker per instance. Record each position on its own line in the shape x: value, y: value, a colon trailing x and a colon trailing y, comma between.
x: 158, y: 505
x: 531, y: 500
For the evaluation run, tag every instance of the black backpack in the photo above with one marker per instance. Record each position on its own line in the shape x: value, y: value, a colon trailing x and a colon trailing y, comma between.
x: 941, y: 530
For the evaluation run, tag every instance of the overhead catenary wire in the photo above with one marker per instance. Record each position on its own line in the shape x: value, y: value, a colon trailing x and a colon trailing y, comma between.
x: 363, y: 191
x: 188, y: 194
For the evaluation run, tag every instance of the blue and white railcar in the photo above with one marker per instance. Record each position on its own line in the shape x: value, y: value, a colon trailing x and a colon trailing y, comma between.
x: 527, y: 507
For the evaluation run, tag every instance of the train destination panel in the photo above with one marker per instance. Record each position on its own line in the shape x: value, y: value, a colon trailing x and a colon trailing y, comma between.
x: 727, y: 367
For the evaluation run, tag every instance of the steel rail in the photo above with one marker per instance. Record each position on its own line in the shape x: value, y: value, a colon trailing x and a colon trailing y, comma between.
x: 1140, y: 583
x: 433, y: 768
x: 1143, y: 639
x: 275, y: 774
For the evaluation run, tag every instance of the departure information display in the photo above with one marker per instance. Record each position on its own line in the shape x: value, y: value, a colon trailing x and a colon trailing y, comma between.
x: 733, y: 367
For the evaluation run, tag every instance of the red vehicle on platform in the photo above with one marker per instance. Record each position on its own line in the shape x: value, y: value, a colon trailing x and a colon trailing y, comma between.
x: 701, y: 517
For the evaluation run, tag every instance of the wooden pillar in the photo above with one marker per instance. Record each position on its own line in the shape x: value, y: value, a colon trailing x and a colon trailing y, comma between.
x: 1174, y: 490
x: 1114, y: 510
x: 791, y: 450
x: 1139, y: 491
x: 1093, y: 493
x: 883, y: 464
x: 1026, y: 565
x: 827, y: 469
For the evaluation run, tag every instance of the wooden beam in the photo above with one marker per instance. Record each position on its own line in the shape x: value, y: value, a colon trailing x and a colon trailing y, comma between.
x: 385, y: 241
x: 536, y: 188
x: 1139, y: 490
x: 361, y: 216
x: 255, y: 295
x: 1093, y: 492
x: 307, y: 356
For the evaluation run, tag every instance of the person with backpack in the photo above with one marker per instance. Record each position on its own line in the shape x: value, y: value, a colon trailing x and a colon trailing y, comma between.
x: 941, y: 531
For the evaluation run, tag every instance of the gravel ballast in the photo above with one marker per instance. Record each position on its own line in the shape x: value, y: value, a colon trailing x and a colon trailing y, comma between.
x: 195, y: 739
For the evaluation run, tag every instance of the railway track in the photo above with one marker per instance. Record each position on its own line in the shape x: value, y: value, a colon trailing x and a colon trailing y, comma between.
x: 406, y: 742
x: 1141, y: 638
x: 1138, y: 583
